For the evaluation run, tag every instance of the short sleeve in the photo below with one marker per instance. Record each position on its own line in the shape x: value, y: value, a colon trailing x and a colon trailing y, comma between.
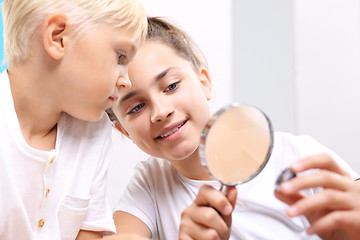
x: 138, y: 198
x: 310, y: 146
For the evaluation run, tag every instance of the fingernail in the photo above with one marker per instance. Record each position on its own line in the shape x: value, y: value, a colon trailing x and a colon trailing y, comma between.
x: 227, y: 209
x: 310, y: 230
x: 297, y: 166
x: 286, y: 186
x: 292, y: 211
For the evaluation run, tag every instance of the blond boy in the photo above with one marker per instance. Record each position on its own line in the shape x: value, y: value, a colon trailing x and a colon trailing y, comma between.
x: 66, y: 61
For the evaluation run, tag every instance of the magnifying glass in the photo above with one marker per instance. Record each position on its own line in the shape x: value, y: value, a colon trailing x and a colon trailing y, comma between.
x: 236, y: 144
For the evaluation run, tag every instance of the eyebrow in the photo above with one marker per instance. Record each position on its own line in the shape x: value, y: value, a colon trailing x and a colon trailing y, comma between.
x: 127, y: 96
x: 157, y: 78
x: 133, y: 48
x: 163, y: 74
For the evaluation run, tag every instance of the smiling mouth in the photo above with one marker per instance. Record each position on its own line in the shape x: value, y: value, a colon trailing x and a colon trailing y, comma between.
x: 168, y: 133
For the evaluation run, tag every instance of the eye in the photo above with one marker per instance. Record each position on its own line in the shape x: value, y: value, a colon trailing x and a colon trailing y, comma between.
x: 121, y: 58
x: 172, y: 86
x: 136, y: 109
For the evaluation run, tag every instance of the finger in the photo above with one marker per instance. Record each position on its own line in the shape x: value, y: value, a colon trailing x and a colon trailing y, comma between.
x: 205, y: 216
x: 346, y: 221
x: 190, y: 230
x: 323, y: 201
x: 321, y: 161
x: 208, y: 196
x: 231, y: 196
x: 287, y: 198
x: 320, y: 178
x: 327, y: 199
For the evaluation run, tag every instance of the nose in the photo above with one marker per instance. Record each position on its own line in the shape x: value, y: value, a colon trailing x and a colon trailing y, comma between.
x: 123, y: 81
x: 161, y: 111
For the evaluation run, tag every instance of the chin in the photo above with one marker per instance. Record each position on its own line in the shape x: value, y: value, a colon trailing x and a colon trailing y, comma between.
x: 97, y: 118
x: 183, y: 154
x: 89, y: 117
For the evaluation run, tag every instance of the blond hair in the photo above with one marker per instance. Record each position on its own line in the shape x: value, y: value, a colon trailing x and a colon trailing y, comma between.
x: 22, y: 17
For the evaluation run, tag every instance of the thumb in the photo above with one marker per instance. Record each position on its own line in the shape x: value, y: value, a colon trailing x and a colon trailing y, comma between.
x: 231, y: 196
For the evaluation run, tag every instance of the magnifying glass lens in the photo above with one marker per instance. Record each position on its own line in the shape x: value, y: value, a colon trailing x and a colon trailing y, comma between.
x: 238, y: 142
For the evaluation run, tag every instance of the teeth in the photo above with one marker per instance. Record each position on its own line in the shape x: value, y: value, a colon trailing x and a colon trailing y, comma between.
x: 171, y: 131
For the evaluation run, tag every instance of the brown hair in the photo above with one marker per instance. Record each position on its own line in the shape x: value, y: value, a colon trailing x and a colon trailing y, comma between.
x: 174, y: 37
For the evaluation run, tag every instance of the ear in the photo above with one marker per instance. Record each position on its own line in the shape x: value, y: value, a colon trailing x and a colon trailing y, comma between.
x: 121, y: 129
x: 56, y: 30
x: 206, y: 83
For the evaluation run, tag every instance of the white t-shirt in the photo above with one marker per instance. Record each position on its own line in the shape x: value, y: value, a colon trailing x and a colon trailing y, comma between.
x: 52, y: 194
x: 158, y: 194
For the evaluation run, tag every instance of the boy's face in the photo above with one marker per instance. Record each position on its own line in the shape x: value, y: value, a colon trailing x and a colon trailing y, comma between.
x: 166, y: 107
x: 94, y: 68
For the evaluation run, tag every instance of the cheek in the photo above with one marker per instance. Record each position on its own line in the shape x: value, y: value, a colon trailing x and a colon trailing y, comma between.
x: 197, y: 99
x: 202, y: 109
x: 144, y: 142
x: 108, y: 77
x: 137, y: 130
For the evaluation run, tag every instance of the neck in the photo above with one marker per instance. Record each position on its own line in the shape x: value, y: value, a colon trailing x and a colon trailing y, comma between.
x: 37, y: 114
x: 192, y: 168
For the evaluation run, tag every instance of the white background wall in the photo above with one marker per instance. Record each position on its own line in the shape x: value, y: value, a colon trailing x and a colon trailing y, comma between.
x: 298, y: 60
x: 263, y: 59
x: 327, y: 34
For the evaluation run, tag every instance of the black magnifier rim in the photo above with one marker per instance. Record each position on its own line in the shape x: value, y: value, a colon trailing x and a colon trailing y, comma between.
x: 207, y: 128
